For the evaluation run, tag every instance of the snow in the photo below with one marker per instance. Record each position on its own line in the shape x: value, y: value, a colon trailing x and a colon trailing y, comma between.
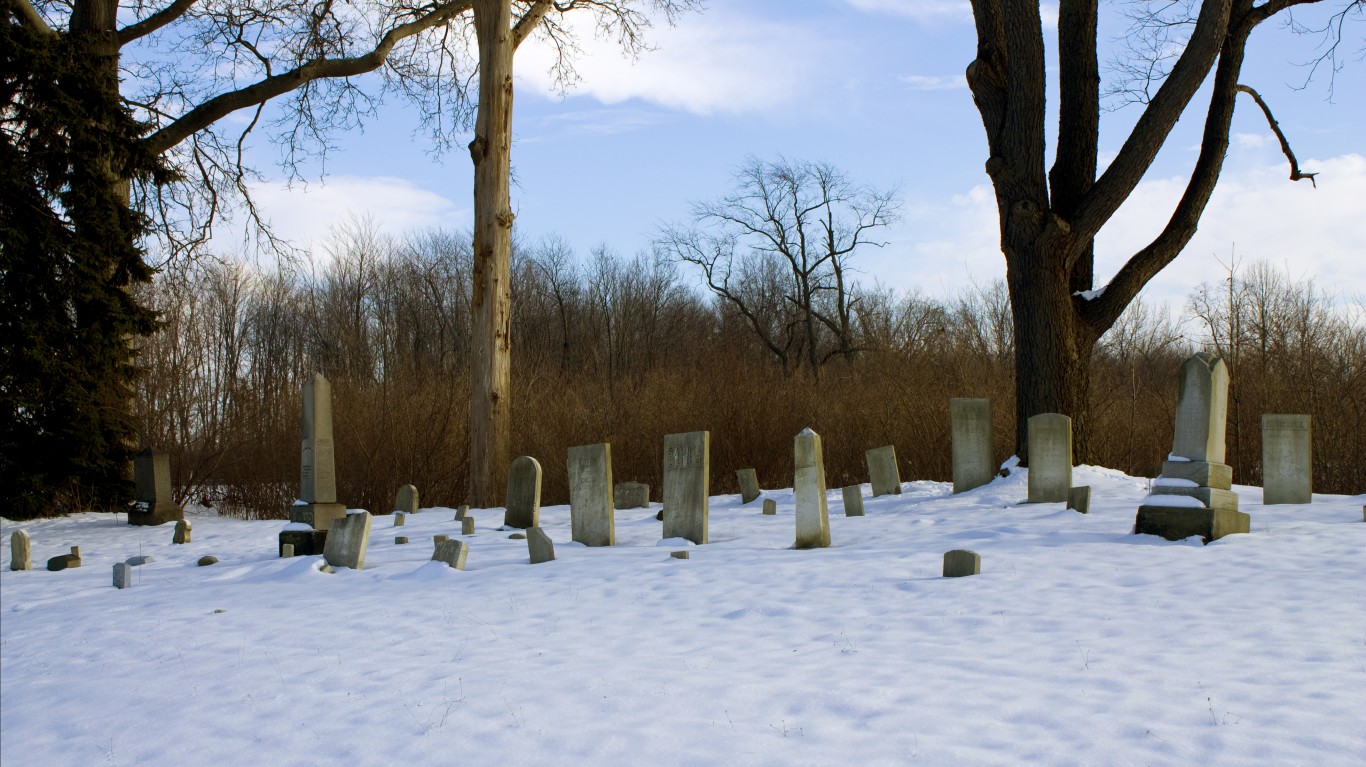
x: 1178, y: 458
x: 1078, y: 644
x: 1174, y: 482
x: 1091, y: 295
x: 1180, y: 501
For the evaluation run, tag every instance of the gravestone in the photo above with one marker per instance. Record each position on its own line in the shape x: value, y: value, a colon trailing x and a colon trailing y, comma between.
x: 972, y: 439
x: 123, y: 575
x: 631, y: 495
x: 207, y: 560
x: 303, y: 542
x: 749, y: 484
x: 539, y: 546
x: 961, y: 562
x: 518, y: 536
x: 524, y: 493
x: 1050, y: 457
x: 1079, y: 499
x: 65, y: 561
x: 286, y: 550
x: 440, y: 538
x: 182, y: 532
x: 591, y: 519
x: 139, y: 560
x: 400, y: 519
x: 1195, y: 468
x: 687, y: 483
x: 770, y: 507
x: 347, y: 541
x: 678, y: 555
x: 808, y: 487
x: 400, y: 540
x: 406, y: 499
x: 453, y: 553
x: 1287, y: 475
x: 152, y: 481
x: 467, y: 526
x: 883, y: 472
x: 461, y: 512
x: 20, y: 551
x: 853, y: 501
x: 317, y: 461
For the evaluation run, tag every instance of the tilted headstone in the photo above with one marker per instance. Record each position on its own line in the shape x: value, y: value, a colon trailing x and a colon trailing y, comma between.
x: 1287, y: 474
x: 461, y: 512
x: 808, y: 487
x: 1050, y: 457
x: 853, y: 500
x: 467, y: 526
x: 347, y: 541
x: 123, y: 575
x: 317, y: 460
x: 770, y: 507
x: 591, y: 517
x: 524, y: 493
x: 1079, y: 499
x: 400, y: 519
x: 539, y: 546
x: 631, y: 495
x: 960, y: 562
x: 883, y: 472
x: 20, y: 550
x: 453, y: 553
x: 152, y: 481
x: 972, y: 443
x: 406, y: 499
x: 749, y: 484
x: 182, y: 532
x: 687, y: 483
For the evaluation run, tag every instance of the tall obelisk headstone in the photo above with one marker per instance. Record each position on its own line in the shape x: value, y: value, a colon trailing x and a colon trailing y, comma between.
x: 1287, y: 472
x: 1195, y: 468
x: 971, y: 427
x: 591, y: 519
x: 152, y: 480
x: 317, y: 460
x: 524, y: 494
x: 687, y: 474
x: 808, y: 488
x: 1050, y: 457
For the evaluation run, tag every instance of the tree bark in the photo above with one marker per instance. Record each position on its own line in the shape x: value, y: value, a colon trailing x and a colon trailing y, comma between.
x: 491, y: 311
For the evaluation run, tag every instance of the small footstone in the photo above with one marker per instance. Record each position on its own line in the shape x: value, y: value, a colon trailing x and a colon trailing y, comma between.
x: 453, y: 553
x: 1079, y: 499
x: 438, y: 539
x: 399, y: 540
x: 182, y: 532
x: 539, y: 546
x: 467, y: 526
x: 286, y: 551
x: 123, y: 575
x: 770, y: 506
x: 21, y: 557
x: 139, y: 560
x: 960, y: 562
x: 853, y: 500
x: 63, y: 562
x: 518, y: 536
x: 207, y: 560
x: 678, y: 554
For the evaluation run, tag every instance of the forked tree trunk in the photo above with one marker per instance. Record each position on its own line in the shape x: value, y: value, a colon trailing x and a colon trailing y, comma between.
x: 491, y: 311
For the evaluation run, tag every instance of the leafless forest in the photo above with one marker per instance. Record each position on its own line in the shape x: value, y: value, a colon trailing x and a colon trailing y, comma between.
x: 628, y: 349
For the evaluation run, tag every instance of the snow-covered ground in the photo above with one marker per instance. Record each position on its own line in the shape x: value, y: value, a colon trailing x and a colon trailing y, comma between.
x: 1079, y: 644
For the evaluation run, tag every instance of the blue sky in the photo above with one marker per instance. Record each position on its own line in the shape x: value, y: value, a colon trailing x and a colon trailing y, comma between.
x: 876, y: 88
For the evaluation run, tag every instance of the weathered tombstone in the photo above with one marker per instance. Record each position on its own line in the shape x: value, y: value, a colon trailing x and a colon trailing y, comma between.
x: 591, y: 519
x: 631, y: 495
x: 1050, y: 457
x: 440, y: 538
x: 524, y: 493
x: 1287, y: 473
x: 853, y: 500
x: 286, y: 551
x: 317, y: 461
x: 123, y: 575
x: 65, y: 561
x: 883, y: 472
x: 687, y: 482
x: 749, y: 484
x: 400, y: 519
x: 678, y: 554
x: 539, y: 546
x: 207, y: 560
x: 467, y: 526
x: 152, y: 480
x: 20, y: 551
x: 808, y: 487
x: 960, y: 562
x: 1079, y: 499
x: 461, y: 512
x: 770, y: 507
x: 347, y: 541
x: 406, y: 499
x: 1195, y: 469
x: 453, y: 553
x: 400, y: 540
x: 972, y: 438
x: 182, y: 532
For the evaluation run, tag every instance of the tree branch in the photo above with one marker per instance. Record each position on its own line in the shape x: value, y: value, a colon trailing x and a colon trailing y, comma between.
x: 527, y: 24
x: 1295, y: 174
x: 34, y: 20
x: 154, y: 22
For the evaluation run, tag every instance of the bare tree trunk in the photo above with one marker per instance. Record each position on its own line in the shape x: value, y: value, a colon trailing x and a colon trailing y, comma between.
x: 491, y: 308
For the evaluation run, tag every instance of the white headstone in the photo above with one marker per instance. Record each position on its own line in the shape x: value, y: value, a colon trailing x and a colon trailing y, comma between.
x: 453, y: 553
x: 808, y: 487
x: 1287, y: 471
x: 972, y: 440
x: 591, y: 518
x: 123, y: 575
x: 1050, y: 457
x: 21, y: 551
x: 687, y: 474
x: 1201, y: 409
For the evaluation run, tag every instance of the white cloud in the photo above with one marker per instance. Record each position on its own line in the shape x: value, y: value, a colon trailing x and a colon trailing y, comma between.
x: 923, y: 10
x: 934, y: 82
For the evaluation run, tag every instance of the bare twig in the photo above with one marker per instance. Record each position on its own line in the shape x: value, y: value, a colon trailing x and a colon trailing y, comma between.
x: 1295, y: 173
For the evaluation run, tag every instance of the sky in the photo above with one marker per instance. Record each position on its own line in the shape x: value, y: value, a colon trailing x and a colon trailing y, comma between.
x: 876, y: 88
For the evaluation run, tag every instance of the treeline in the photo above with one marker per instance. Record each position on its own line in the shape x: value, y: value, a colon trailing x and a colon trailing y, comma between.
x: 626, y: 350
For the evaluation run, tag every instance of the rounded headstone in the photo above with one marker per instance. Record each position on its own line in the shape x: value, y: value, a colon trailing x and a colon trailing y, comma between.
x: 207, y: 560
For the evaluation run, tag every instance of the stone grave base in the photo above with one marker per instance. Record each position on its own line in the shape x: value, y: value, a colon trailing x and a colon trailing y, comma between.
x: 318, y: 516
x: 305, y: 542
x: 159, y: 514
x: 1177, y: 523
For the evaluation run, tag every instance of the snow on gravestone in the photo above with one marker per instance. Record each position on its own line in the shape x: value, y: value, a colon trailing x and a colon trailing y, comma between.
x: 687, y: 462
x: 808, y: 489
x: 591, y: 518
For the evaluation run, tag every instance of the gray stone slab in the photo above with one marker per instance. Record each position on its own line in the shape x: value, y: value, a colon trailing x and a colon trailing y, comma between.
x: 853, y: 500
x: 770, y: 507
x: 883, y: 473
x: 304, y: 542
x: 1176, y: 523
x: 591, y: 518
x: 318, y: 516
x: 1203, y: 473
x: 317, y: 453
x: 1079, y: 499
x: 20, y: 551
x: 678, y: 555
x: 152, y: 481
x: 961, y: 562
x: 182, y: 532
x: 970, y: 420
x: 440, y: 538
x: 286, y: 550
x: 1213, y: 498
x: 687, y: 484
x: 749, y: 484
x: 1287, y: 468
x: 400, y: 540
x: 123, y: 575
x: 63, y: 562
x: 406, y: 499
x: 539, y: 546
x: 808, y: 488
x: 467, y: 526
x: 461, y: 512
x: 631, y: 495
x: 1050, y: 457
x: 1201, y: 409
x: 348, y: 540
x: 453, y: 553
x: 400, y: 519
x: 524, y: 493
